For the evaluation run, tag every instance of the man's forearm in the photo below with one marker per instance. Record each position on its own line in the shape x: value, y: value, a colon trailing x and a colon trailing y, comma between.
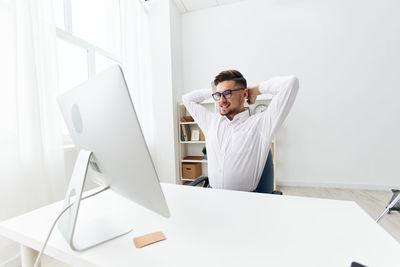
x: 284, y: 90
x: 200, y: 114
x: 277, y: 84
x: 272, y: 86
x: 197, y: 96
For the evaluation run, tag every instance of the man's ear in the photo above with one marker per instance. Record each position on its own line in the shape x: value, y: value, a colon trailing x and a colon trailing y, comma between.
x: 246, y: 93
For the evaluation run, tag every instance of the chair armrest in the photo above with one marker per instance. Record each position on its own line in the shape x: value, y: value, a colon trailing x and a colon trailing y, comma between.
x: 200, y: 180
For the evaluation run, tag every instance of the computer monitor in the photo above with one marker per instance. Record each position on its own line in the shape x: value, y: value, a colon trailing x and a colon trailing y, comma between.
x: 102, y: 121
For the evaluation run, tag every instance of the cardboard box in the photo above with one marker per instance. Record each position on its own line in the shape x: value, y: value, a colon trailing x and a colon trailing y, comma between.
x: 191, y: 170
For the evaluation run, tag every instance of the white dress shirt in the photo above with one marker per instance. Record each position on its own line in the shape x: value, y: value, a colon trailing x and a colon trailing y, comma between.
x: 237, y: 150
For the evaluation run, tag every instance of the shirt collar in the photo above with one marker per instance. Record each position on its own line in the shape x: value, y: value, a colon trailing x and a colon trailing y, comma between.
x: 242, y: 116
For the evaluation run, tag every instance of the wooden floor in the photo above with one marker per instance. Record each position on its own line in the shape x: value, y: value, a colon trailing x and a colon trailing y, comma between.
x: 372, y: 201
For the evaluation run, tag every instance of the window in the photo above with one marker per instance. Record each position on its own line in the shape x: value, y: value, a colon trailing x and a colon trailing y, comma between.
x: 72, y: 64
x: 88, y: 40
x: 8, y: 111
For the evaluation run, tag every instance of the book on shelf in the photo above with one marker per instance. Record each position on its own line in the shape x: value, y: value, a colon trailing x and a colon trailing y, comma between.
x: 182, y: 137
x: 202, y: 137
x: 186, y: 132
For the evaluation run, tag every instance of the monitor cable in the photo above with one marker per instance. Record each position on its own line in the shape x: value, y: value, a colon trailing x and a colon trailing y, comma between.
x: 56, y: 220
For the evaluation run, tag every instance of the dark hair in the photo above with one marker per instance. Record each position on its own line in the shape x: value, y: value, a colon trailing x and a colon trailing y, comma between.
x: 229, y: 75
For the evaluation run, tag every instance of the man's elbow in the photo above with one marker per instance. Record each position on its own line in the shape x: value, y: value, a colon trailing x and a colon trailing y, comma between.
x: 184, y: 99
x: 294, y: 83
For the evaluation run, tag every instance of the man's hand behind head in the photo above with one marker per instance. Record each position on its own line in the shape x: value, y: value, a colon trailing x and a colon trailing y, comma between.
x: 253, y: 93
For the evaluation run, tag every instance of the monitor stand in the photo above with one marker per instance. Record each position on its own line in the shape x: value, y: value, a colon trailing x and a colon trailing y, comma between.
x: 85, y: 234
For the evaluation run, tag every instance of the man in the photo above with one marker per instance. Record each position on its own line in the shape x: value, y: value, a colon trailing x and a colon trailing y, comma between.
x: 238, y: 144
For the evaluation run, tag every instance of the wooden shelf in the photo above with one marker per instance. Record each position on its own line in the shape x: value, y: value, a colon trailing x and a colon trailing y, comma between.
x: 187, y: 122
x: 192, y: 142
x: 194, y: 160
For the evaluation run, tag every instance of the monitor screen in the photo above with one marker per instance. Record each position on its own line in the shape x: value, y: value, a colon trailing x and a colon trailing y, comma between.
x: 101, y: 118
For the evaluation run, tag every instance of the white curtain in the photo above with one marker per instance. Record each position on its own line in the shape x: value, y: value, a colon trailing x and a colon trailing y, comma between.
x: 31, y: 149
x: 136, y: 58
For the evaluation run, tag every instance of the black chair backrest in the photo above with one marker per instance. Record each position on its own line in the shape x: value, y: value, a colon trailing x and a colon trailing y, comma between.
x: 266, y: 184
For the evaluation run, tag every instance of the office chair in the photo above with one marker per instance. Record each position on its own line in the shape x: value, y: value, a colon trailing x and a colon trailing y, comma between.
x: 265, y: 185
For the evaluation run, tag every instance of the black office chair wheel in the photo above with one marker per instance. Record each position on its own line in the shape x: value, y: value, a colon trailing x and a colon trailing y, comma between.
x: 276, y: 192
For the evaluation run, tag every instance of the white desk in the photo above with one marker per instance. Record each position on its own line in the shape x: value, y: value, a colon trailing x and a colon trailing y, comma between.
x: 210, y: 227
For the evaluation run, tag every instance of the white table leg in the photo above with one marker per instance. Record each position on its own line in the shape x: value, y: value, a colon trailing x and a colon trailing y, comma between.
x: 28, y: 256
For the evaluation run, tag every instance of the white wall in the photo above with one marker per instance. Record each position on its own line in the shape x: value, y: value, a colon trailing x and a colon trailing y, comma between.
x: 344, y: 129
x: 159, y: 23
x: 177, y: 79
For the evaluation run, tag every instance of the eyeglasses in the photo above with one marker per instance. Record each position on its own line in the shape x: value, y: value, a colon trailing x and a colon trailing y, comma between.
x: 227, y: 94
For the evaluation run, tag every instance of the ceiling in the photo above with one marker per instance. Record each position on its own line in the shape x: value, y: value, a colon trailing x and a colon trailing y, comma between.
x: 192, y: 5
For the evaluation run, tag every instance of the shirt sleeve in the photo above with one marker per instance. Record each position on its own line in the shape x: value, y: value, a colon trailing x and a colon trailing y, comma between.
x: 284, y: 91
x: 200, y: 114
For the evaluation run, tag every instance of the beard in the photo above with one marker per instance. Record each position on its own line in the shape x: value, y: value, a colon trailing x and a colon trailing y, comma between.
x: 231, y: 110
x: 227, y: 113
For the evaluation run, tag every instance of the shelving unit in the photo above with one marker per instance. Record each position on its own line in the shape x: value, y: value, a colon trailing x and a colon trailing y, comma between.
x: 191, y: 148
